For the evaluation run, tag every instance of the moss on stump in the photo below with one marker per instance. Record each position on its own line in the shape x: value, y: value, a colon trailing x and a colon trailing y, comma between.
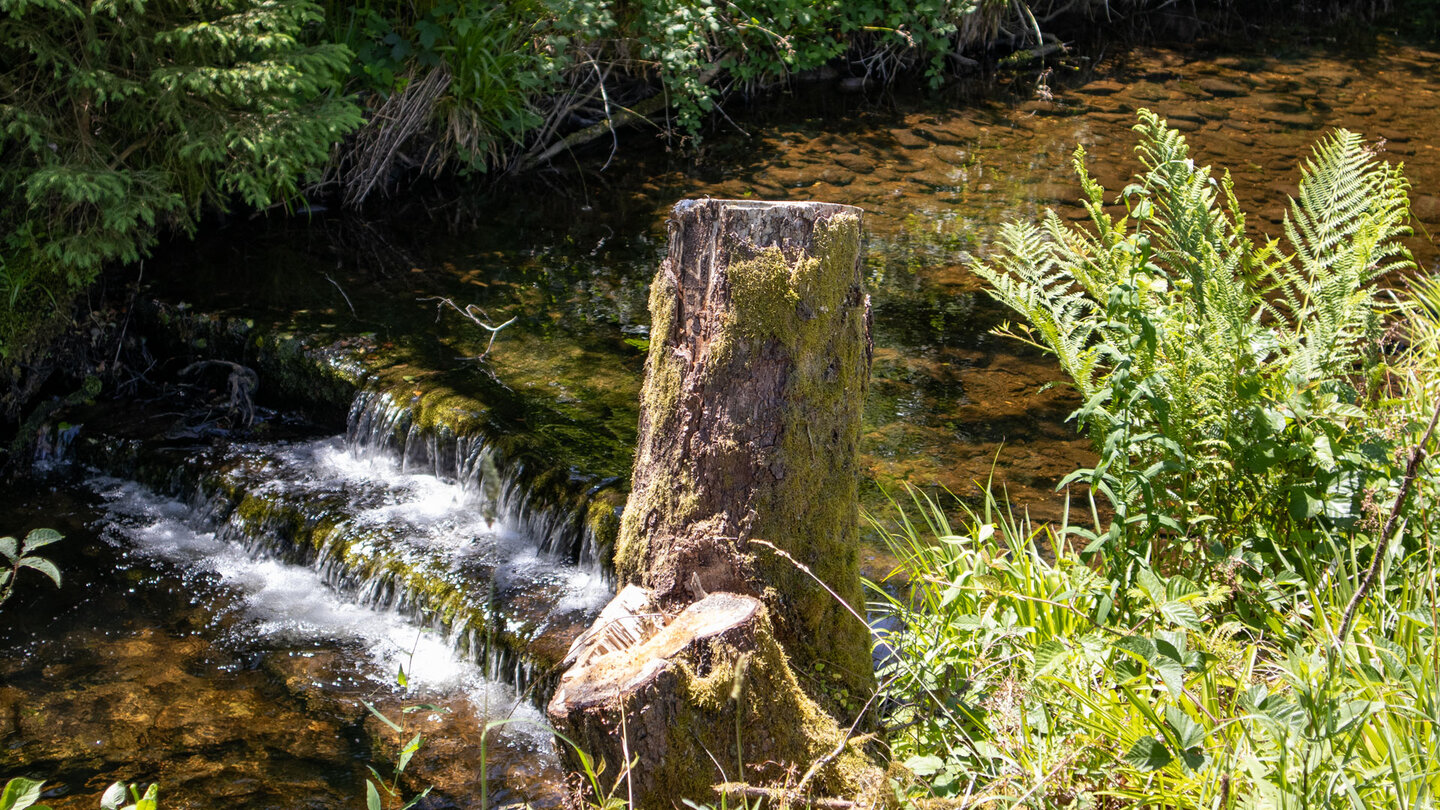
x: 750, y: 425
x: 712, y: 690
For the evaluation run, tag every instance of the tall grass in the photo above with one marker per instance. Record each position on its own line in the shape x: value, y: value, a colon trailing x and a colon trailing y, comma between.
x: 1010, y: 686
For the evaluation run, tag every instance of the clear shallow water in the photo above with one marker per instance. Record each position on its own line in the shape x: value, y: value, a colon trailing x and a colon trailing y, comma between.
x: 202, y: 648
x: 571, y: 258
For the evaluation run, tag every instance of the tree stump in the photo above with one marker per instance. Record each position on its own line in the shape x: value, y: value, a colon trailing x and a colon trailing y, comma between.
x: 707, y: 697
x: 750, y: 423
x: 749, y: 428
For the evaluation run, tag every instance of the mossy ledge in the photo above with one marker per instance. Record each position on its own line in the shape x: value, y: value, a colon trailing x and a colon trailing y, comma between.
x: 551, y: 484
x: 513, y: 628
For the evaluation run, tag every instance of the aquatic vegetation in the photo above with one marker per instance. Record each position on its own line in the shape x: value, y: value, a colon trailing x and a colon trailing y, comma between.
x: 114, y: 797
x: 381, y: 792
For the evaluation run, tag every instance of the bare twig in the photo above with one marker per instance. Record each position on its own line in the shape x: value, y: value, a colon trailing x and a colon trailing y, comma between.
x: 472, y: 313
x: 243, y: 383
x: 342, y: 294
x: 1382, y: 546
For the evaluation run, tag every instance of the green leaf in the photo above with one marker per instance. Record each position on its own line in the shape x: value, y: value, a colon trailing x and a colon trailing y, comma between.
x: 42, y: 565
x: 372, y: 796
x: 1172, y: 673
x: 418, y: 798
x: 387, y: 721
x: 1138, y: 646
x: 8, y: 548
x: 38, y: 538
x: 1152, y: 585
x: 1048, y: 653
x: 1188, y: 733
x: 407, y: 752
x: 20, y: 793
x: 1148, y: 754
x: 924, y: 765
x: 113, y: 797
x: 401, y: 678
x: 1304, y: 505
x: 1182, y: 614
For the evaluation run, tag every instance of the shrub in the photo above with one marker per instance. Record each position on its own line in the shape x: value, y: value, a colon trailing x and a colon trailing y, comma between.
x: 1233, y: 389
x: 122, y: 118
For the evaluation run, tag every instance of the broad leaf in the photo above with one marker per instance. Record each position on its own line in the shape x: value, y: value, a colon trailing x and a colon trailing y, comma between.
x: 39, y: 538
x: 924, y: 765
x: 42, y: 565
x: 1048, y: 653
x: 20, y: 793
x: 1187, y: 732
x: 1138, y: 646
x: 1148, y: 754
x: 113, y: 797
x: 1172, y: 673
x: 407, y: 752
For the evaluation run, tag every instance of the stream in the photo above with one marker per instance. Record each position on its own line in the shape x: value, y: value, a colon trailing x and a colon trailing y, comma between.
x: 234, y: 594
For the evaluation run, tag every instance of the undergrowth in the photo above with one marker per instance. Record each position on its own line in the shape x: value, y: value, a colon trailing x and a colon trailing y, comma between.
x: 1257, y: 626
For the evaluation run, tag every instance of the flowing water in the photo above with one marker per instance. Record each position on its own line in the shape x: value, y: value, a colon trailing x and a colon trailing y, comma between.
x: 237, y: 593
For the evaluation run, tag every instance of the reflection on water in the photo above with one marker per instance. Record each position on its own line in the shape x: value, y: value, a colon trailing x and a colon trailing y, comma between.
x: 936, y: 177
x: 948, y: 404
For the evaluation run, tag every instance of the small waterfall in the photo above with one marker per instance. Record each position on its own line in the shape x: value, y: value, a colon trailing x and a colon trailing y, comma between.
x: 491, y: 553
x: 367, y: 528
x: 292, y: 603
x: 553, y: 514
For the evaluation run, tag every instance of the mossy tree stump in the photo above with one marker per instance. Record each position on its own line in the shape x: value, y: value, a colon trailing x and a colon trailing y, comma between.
x: 750, y: 424
x: 749, y: 429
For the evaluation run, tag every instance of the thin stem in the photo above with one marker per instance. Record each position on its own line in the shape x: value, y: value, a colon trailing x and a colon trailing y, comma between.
x: 1412, y: 469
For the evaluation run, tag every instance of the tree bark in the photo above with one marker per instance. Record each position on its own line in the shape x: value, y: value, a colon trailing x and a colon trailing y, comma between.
x: 750, y: 423
x: 709, y: 698
x: 714, y: 662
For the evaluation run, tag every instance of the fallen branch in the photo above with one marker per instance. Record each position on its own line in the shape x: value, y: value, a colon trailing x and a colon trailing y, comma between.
x: 626, y: 116
x: 243, y: 382
x: 473, y: 313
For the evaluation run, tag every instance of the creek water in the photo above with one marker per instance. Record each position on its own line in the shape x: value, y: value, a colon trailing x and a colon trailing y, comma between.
x: 224, y: 619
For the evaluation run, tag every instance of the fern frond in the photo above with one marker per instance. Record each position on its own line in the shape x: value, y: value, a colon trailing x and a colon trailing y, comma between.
x: 1345, y: 226
x: 1029, y: 276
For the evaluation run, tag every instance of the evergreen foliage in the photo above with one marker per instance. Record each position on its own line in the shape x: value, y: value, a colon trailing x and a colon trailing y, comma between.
x: 1227, y: 383
x: 121, y: 118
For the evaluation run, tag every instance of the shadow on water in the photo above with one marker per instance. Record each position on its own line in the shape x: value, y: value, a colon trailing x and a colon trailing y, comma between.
x: 569, y: 256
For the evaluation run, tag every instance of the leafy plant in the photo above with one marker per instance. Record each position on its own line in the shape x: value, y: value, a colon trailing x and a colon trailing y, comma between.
x: 21, y: 793
x: 1227, y: 383
x: 19, y: 554
x: 115, y: 795
x: 120, y: 120
x: 380, y: 792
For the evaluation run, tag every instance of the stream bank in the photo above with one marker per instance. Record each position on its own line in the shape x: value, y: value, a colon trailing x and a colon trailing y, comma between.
x: 339, y: 310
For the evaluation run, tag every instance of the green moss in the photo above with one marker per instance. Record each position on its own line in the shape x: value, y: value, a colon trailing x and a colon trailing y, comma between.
x: 813, y: 511
x: 745, y: 692
x: 660, y: 405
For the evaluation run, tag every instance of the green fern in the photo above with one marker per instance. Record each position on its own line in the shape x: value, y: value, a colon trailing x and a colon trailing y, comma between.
x: 1218, y: 374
